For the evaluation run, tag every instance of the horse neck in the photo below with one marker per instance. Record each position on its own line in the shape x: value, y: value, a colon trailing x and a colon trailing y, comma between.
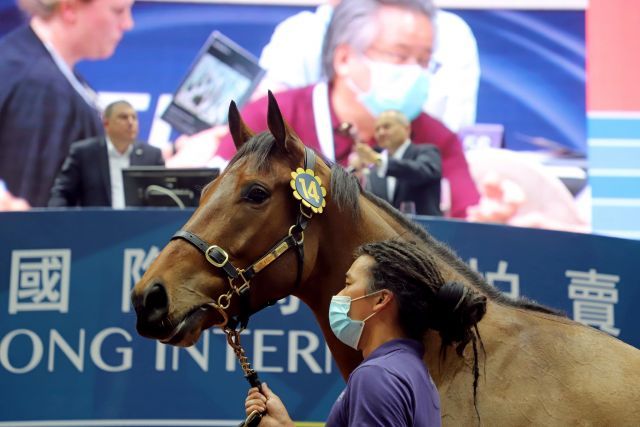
x: 340, y: 238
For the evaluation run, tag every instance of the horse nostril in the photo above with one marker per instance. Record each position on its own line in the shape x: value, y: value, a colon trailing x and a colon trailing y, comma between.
x: 156, y: 302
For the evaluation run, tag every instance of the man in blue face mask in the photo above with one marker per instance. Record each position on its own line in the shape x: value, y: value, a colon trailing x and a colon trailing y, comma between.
x: 376, y: 57
x: 393, y: 293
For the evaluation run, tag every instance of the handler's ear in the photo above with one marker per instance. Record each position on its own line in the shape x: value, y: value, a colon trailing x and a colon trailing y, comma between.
x: 383, y: 299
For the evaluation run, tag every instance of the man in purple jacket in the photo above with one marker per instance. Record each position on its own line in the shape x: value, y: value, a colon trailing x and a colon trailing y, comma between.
x: 376, y: 58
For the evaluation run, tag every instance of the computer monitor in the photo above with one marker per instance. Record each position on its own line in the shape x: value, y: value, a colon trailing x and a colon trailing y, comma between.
x: 160, y: 186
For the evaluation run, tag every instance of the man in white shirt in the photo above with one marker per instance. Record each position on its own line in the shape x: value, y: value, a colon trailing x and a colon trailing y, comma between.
x: 91, y: 175
x: 402, y: 172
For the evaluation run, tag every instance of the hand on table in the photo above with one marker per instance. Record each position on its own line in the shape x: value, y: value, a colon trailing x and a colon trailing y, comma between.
x: 8, y: 202
x: 503, y: 201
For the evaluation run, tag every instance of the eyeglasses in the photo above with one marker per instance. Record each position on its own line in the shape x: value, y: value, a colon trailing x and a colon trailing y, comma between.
x: 428, y: 64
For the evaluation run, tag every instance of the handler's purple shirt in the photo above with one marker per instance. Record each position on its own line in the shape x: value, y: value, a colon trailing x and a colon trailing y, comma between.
x: 391, y: 387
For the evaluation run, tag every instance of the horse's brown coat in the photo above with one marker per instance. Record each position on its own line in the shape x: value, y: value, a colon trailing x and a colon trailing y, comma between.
x: 538, y: 369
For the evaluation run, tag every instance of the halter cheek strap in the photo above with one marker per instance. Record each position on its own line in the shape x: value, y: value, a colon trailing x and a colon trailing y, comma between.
x: 219, y: 258
x: 239, y: 279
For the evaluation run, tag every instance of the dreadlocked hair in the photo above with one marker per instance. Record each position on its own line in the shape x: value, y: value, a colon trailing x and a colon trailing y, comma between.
x: 412, y: 277
x: 425, y: 300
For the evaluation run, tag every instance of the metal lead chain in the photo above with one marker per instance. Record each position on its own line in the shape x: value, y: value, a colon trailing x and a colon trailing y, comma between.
x: 233, y: 338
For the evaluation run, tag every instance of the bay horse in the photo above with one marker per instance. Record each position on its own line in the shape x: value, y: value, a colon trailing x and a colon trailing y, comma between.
x: 537, y: 368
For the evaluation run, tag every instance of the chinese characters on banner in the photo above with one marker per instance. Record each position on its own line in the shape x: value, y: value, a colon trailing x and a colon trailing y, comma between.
x: 40, y: 282
x: 594, y: 294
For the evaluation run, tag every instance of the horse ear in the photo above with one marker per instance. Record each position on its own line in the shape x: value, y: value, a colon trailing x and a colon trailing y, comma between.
x: 240, y: 132
x: 277, y: 125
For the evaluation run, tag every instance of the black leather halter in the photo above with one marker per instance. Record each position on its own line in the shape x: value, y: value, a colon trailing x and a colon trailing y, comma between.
x: 239, y: 279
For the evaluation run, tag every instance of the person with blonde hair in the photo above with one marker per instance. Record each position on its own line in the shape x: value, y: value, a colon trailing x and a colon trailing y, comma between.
x: 46, y: 105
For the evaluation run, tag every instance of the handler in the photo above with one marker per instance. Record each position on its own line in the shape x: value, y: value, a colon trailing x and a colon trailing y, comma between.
x: 393, y: 293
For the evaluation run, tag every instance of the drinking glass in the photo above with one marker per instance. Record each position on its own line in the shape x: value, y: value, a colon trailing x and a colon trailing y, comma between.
x: 445, y: 197
x: 408, y: 207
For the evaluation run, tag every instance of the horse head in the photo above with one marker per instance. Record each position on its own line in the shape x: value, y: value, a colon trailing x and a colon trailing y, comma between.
x: 246, y: 244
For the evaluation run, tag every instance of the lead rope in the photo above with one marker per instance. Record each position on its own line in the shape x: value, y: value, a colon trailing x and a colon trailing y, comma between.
x: 233, y: 335
x: 233, y: 339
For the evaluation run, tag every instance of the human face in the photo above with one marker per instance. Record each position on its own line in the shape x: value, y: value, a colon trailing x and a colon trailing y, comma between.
x: 390, y: 131
x: 99, y: 26
x: 357, y: 281
x: 403, y: 37
x: 122, y: 124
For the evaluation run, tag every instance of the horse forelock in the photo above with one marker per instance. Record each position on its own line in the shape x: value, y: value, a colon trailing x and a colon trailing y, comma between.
x: 345, y: 187
x: 260, y: 147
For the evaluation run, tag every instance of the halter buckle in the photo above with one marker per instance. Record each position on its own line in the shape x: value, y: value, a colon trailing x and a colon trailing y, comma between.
x: 298, y: 242
x: 242, y: 288
x: 213, y: 261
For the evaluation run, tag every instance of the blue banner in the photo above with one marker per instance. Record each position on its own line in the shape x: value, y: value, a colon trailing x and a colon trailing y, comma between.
x: 70, y: 355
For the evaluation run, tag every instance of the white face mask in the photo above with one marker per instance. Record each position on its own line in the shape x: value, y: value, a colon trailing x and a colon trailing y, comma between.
x: 345, y: 328
x: 402, y: 88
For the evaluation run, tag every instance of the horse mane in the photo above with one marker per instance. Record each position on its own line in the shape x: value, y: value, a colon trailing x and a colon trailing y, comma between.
x: 460, y: 266
x: 345, y: 192
x: 346, y: 189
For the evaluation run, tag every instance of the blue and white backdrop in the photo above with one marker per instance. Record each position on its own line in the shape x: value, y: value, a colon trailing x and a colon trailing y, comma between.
x: 70, y: 355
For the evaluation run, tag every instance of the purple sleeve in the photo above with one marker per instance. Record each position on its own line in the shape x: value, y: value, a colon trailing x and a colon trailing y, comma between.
x: 376, y: 397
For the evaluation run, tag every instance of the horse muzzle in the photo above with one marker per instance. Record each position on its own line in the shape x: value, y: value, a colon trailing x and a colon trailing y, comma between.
x: 152, y: 309
x: 153, y: 319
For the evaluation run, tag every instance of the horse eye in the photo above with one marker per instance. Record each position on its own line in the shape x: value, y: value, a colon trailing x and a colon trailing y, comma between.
x: 257, y: 195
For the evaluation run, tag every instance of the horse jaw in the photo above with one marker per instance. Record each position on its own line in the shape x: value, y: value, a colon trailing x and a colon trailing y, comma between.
x: 186, y: 309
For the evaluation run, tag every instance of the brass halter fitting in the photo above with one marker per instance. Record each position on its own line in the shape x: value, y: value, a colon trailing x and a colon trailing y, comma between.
x: 308, y: 189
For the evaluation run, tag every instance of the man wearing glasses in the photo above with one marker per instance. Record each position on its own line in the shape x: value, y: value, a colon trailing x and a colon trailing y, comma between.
x: 376, y: 57
x: 292, y: 59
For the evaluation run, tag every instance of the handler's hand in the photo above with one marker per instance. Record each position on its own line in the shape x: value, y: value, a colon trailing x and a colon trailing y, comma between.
x: 276, y: 414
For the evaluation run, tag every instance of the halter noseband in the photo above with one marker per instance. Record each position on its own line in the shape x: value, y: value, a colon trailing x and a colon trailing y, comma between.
x: 310, y: 202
